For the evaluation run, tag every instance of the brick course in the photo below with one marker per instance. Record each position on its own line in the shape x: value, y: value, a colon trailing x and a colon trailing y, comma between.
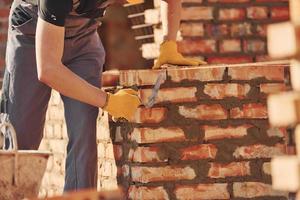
x: 226, y: 31
x: 216, y: 146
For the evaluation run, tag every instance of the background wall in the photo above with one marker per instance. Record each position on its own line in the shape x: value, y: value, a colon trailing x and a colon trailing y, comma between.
x: 222, y: 31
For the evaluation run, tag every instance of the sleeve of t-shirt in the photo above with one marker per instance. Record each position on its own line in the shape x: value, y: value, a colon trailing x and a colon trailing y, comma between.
x: 55, y: 11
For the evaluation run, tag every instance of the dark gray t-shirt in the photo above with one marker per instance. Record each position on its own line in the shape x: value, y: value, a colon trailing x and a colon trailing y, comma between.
x: 56, y: 11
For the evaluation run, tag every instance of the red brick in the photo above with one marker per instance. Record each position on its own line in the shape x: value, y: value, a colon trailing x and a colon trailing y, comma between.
x: 263, y: 58
x: 259, y: 151
x: 241, y: 29
x: 229, y: 46
x: 4, y: 12
x: 3, y: 37
x: 280, y: 13
x: 250, y: 111
x: 217, y: 30
x: 156, y: 135
x: 204, y: 112
x: 196, y: 74
x: 191, y: 1
x: 150, y: 115
x: 202, y: 191
x: 267, y: 168
x: 196, y: 46
x: 261, y: 29
x: 197, y: 13
x: 192, y: 29
x: 254, y: 46
x: 118, y: 152
x: 147, y: 193
x: 272, y: 73
x: 232, y: 14
x: 272, y: 0
x: 217, y: 133
x: 230, y: 60
x: 138, y: 77
x: 218, y: 170
x: 221, y: 91
x: 197, y: 152
x: 144, y: 154
x: 187, y: 94
x: 168, y: 173
x: 277, y: 132
x: 228, y: 1
x: 257, y: 12
x: 254, y: 189
x: 271, y: 88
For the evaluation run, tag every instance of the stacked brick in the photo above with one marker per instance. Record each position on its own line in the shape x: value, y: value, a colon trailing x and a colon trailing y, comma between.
x: 55, y: 140
x: 207, y: 136
x: 222, y: 31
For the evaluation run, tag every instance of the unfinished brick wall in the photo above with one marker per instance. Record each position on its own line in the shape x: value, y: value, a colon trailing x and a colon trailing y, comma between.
x: 207, y: 137
x: 221, y: 31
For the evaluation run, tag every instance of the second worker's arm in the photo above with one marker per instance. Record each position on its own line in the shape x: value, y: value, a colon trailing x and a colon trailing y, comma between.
x: 171, y: 15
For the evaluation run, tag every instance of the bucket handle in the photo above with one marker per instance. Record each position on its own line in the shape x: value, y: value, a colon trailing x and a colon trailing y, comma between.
x: 9, y: 129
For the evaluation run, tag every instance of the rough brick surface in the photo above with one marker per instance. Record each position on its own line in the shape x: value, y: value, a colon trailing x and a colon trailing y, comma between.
x: 204, y: 112
x: 205, y: 191
x: 221, y: 91
x: 187, y: 94
x: 259, y: 151
x: 207, y: 137
x: 217, y: 133
x: 197, y: 152
x: 155, y: 193
x: 169, y: 173
x: 151, y: 135
x: 218, y: 170
x: 253, y: 110
x: 254, y: 189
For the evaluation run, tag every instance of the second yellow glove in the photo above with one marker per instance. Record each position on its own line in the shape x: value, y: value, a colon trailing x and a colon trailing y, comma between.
x: 170, y: 55
x: 135, y: 1
x: 122, y: 104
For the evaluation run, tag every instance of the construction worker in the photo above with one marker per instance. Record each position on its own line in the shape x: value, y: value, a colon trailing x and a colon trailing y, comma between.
x: 53, y: 44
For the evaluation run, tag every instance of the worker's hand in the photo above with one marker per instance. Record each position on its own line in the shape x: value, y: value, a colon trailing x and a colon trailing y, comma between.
x: 170, y: 55
x: 135, y: 1
x: 122, y: 104
x: 107, y: 3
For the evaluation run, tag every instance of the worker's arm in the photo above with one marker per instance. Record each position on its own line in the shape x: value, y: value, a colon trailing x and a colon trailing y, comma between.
x: 171, y: 15
x: 51, y: 71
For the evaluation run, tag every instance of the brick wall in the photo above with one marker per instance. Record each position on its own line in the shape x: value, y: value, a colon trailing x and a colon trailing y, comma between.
x: 208, y: 136
x: 222, y: 31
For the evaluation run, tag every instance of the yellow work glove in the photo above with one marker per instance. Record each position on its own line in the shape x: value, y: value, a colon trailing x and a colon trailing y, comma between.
x: 122, y: 104
x: 135, y: 1
x: 170, y: 55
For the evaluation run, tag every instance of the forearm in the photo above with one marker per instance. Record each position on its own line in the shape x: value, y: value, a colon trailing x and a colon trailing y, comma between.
x: 69, y: 84
x: 171, y: 15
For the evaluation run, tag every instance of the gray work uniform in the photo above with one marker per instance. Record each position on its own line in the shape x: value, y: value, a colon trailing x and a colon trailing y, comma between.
x: 25, y: 98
